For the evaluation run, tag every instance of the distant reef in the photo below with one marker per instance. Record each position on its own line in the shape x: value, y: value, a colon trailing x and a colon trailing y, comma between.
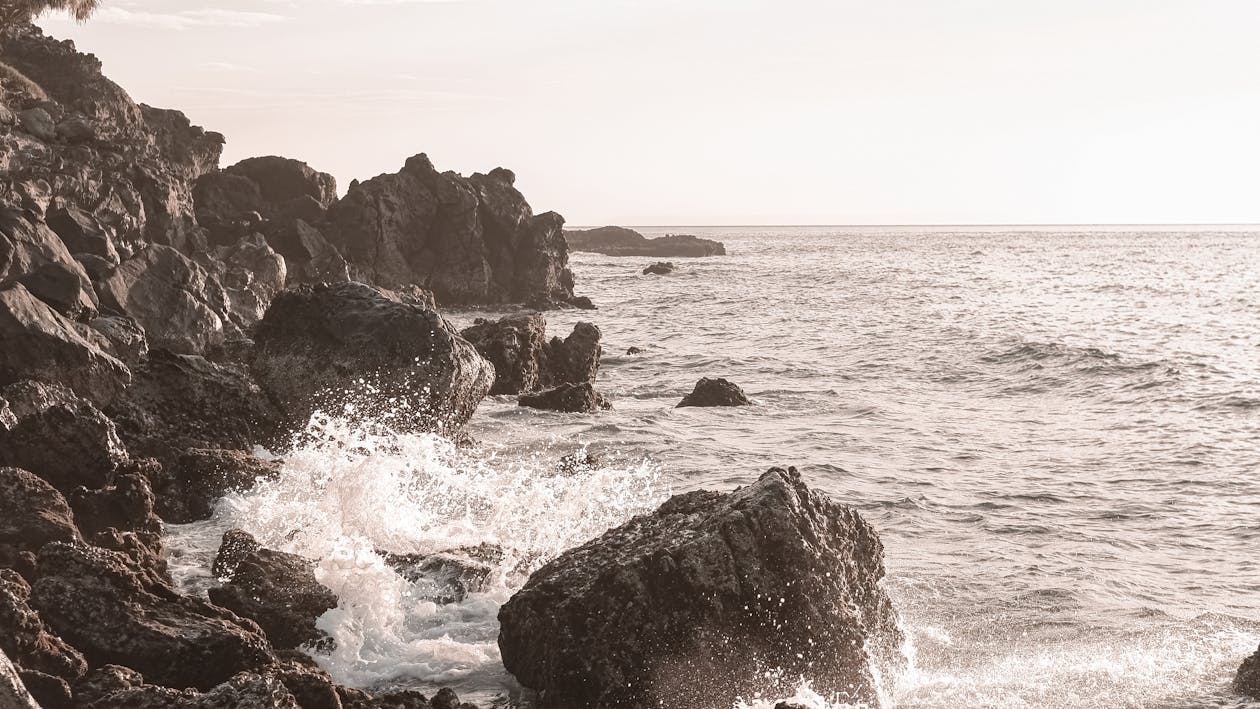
x: 136, y: 196
x: 620, y: 241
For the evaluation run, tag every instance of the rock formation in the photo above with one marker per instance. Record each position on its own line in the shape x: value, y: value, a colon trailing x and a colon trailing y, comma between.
x: 526, y: 361
x: 715, y: 392
x: 1247, y: 681
x: 660, y: 268
x: 620, y: 241
x: 569, y: 398
x: 321, y: 347
x: 692, y: 604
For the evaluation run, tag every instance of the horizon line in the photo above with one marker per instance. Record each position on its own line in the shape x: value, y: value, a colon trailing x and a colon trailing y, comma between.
x: 1255, y: 225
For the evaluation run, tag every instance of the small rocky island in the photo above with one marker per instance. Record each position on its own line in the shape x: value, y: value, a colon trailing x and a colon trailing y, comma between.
x: 620, y: 241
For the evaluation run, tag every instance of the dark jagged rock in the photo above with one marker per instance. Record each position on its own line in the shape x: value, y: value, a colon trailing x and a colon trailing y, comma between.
x: 246, y: 690
x: 448, y: 576
x: 203, y: 475
x: 660, y: 268
x: 181, y: 307
x: 13, y: 694
x: 619, y: 241
x: 322, y: 346
x: 25, y: 638
x: 82, y: 233
x: 691, y: 605
x: 272, y: 187
x: 32, y: 513
x: 116, y: 612
x: 1247, y: 681
x: 179, y: 402
x: 51, y: 692
x: 469, y: 240
x: 715, y: 392
x: 569, y: 398
x: 65, y: 287
x: 126, y: 505
x: 525, y: 361
x: 124, y: 338
x: 251, y: 273
x: 58, y: 436
x: 582, y: 302
x: 28, y: 246
x: 274, y: 589
x: 634, y: 350
x: 42, y: 345
x: 308, y: 255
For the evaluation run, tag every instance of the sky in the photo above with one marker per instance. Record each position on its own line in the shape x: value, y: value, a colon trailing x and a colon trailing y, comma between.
x: 648, y: 112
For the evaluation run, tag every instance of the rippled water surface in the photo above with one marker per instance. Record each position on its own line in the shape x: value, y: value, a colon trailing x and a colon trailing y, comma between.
x: 1057, y: 435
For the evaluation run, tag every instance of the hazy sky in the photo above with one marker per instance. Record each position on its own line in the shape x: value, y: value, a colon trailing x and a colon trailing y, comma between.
x: 731, y: 111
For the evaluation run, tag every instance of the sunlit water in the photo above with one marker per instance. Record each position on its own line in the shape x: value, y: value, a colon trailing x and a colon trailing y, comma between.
x: 1057, y: 435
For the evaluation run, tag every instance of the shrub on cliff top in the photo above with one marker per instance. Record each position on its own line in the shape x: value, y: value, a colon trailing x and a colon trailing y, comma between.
x: 15, y: 83
x: 17, y: 12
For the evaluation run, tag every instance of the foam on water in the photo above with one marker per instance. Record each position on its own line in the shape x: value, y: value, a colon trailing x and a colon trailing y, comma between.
x: 347, y: 493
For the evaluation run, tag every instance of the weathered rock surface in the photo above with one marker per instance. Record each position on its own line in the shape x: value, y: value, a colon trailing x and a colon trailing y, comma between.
x: 274, y: 589
x: 691, y: 605
x: 660, y: 268
x: 322, y: 346
x: 179, y: 402
x: 58, y: 436
x: 1247, y: 681
x: 126, y: 505
x: 42, y: 345
x: 32, y: 513
x: 525, y: 361
x: 124, y: 339
x: 715, y: 392
x: 569, y: 398
x: 273, y: 188
x: 619, y: 241
x: 469, y: 240
x: 116, y: 612
x: 13, y: 694
x: 200, y: 476
x: 448, y: 576
x: 115, y: 687
x: 25, y: 638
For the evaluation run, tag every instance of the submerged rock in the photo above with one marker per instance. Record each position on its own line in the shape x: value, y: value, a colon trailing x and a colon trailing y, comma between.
x: 692, y: 604
x: 448, y: 576
x: 569, y: 398
x: 715, y: 392
x: 116, y: 612
x: 1247, y: 681
x: 274, y: 589
x: 619, y: 241
x: 660, y: 268
x: 322, y: 347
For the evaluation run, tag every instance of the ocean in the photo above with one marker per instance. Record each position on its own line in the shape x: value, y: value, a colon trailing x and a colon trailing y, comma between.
x: 1056, y: 432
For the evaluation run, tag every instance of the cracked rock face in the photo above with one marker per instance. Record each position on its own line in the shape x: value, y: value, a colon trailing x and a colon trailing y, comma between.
x: 691, y: 604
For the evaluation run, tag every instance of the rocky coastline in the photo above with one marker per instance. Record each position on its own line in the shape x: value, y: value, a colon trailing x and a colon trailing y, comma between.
x: 620, y: 241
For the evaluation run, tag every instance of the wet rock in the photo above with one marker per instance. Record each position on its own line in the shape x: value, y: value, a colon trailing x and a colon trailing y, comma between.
x: 41, y: 344
x: 470, y: 240
x: 582, y: 302
x: 58, y: 436
x: 578, y: 462
x: 692, y: 604
x: 660, y: 268
x: 246, y: 690
x: 448, y: 576
x: 524, y: 360
x: 125, y: 338
x: 570, y: 398
x: 32, y: 513
x: 13, y: 694
x: 1247, y: 681
x: 25, y: 638
x: 179, y: 402
x: 715, y: 392
x: 575, y: 359
x: 619, y: 241
x: 181, y: 307
x: 635, y: 350
x: 203, y: 475
x: 274, y: 589
x: 116, y: 612
x: 309, y: 685
x: 322, y: 346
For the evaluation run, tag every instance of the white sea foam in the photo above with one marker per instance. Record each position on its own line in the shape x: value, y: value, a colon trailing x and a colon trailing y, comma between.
x: 348, y: 492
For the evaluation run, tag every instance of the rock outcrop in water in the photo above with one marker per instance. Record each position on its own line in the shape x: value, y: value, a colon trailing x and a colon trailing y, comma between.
x: 526, y: 361
x: 321, y: 347
x: 569, y: 398
x: 692, y: 604
x: 1247, y: 681
x: 715, y: 392
x: 660, y: 268
x: 620, y: 241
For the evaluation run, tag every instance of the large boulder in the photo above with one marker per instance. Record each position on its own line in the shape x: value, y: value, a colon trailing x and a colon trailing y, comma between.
x: 58, y: 436
x: 32, y: 513
x: 179, y: 402
x: 40, y: 344
x: 321, y: 347
x: 470, y: 240
x: 569, y: 398
x: 693, y: 604
x: 25, y: 638
x: 1247, y: 681
x: 272, y: 187
x: 180, y: 306
x: 118, y: 613
x: 715, y: 392
x: 274, y: 589
x: 620, y: 241
x: 525, y: 361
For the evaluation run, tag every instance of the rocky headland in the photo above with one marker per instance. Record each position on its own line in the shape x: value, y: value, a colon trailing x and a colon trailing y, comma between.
x: 620, y: 241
